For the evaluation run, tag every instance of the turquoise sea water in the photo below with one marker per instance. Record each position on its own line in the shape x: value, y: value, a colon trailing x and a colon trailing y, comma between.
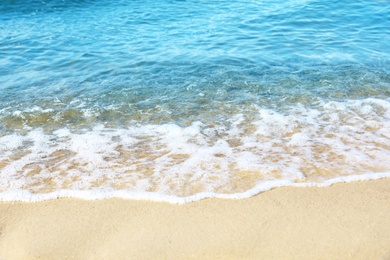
x: 180, y: 100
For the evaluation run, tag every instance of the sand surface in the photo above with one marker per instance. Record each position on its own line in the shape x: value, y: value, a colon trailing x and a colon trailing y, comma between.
x: 344, y: 221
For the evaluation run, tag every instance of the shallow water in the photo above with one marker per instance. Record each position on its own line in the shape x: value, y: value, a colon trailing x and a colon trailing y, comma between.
x: 179, y: 100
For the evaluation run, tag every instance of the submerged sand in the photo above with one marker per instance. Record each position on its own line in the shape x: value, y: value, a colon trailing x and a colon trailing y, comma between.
x: 344, y: 221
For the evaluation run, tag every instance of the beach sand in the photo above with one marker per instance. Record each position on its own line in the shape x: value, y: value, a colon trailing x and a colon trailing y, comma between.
x: 344, y: 221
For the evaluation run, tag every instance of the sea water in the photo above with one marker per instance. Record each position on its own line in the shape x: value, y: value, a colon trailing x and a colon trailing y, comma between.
x: 181, y: 100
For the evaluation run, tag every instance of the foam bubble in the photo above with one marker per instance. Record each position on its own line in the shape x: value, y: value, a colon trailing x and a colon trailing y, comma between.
x: 248, y: 153
x: 27, y: 196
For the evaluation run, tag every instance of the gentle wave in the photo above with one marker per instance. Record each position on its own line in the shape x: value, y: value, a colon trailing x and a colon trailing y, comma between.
x: 182, y: 100
x: 301, y: 145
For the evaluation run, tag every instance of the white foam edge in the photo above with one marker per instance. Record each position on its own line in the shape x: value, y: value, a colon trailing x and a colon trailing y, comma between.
x: 26, y: 196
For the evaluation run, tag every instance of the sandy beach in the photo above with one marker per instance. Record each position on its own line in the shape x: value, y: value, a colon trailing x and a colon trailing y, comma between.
x: 344, y: 221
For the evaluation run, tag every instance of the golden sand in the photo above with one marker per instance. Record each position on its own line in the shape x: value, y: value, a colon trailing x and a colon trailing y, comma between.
x: 344, y: 221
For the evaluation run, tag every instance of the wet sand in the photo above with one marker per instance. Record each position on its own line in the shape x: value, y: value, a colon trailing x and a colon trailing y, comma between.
x: 344, y: 221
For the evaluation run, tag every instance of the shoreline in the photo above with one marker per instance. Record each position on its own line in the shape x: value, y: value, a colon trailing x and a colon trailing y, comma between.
x: 342, y: 221
x: 93, y: 195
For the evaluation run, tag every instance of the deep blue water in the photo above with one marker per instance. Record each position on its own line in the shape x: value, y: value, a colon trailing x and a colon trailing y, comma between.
x: 76, y: 65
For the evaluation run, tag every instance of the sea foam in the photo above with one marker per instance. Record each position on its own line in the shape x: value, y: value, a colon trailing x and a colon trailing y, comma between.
x: 242, y: 156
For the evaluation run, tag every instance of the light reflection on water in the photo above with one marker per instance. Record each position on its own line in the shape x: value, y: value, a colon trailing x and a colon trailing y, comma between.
x: 181, y: 97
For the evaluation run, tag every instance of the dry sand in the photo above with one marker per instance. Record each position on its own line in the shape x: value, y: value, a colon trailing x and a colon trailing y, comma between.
x: 344, y: 221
